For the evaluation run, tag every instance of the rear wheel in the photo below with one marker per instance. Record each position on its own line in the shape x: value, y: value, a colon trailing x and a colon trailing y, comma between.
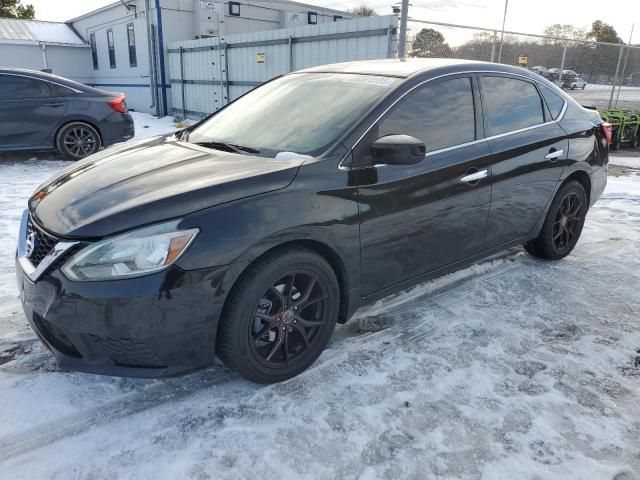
x: 280, y: 315
x: 563, y: 225
x: 78, y: 140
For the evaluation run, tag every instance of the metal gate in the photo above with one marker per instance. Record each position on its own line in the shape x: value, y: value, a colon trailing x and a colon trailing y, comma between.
x: 209, y: 73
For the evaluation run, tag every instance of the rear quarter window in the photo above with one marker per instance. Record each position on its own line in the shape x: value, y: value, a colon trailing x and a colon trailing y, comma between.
x: 554, y: 101
x: 511, y: 104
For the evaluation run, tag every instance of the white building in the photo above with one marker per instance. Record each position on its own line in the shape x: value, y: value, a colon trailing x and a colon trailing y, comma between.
x: 118, y: 47
x: 44, y: 46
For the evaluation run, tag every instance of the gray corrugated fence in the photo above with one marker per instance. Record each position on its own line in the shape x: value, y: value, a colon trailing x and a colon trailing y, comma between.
x: 209, y: 73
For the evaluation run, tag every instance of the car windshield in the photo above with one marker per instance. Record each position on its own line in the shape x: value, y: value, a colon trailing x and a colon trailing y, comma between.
x: 299, y: 113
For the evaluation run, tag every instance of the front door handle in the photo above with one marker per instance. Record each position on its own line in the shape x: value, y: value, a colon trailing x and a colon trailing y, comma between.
x: 55, y: 104
x: 474, y: 177
x: 554, y: 154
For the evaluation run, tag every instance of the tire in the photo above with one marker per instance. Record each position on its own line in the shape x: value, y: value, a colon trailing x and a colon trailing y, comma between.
x: 78, y: 140
x: 562, y: 227
x: 271, y: 332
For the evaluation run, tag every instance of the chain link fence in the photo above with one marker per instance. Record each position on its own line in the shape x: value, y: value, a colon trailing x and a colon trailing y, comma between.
x: 602, y: 75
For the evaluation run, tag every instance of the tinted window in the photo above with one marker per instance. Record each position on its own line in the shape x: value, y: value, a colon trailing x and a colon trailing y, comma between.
x: 14, y: 87
x: 112, y: 49
x: 440, y: 114
x: 131, y: 39
x: 511, y: 104
x: 59, y: 90
x: 554, y: 101
x: 94, y: 50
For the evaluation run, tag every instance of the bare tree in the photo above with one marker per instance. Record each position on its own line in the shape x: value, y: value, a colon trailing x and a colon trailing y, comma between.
x: 363, y: 11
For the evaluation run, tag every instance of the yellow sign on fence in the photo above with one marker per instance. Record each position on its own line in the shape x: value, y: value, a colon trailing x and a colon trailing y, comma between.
x: 261, y: 57
x: 523, y: 60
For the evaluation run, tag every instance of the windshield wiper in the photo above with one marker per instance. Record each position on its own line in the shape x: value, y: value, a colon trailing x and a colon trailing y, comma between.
x: 228, y: 147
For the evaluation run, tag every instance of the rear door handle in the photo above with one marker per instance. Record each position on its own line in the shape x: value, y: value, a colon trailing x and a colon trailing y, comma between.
x: 474, y: 177
x: 554, y: 154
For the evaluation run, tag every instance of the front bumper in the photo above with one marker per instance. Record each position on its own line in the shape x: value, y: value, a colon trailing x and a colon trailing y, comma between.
x: 158, y: 325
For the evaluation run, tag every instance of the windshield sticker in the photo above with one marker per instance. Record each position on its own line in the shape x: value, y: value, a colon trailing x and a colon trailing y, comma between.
x: 370, y: 80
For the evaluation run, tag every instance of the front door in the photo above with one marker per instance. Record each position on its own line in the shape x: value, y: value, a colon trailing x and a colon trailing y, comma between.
x: 417, y: 218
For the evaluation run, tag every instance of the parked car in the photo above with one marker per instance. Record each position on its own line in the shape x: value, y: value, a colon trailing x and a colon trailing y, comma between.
x: 40, y: 111
x: 553, y: 74
x: 540, y: 70
x: 577, y: 82
x: 251, y: 233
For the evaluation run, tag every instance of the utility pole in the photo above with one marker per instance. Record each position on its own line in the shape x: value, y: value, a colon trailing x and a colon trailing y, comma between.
x: 404, y: 14
x: 504, y: 21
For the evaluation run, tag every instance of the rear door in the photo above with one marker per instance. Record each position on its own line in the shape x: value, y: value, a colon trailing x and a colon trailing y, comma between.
x: 529, y: 154
x: 417, y: 218
x: 29, y: 112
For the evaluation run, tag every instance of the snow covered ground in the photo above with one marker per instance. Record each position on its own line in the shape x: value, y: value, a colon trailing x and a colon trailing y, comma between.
x: 515, y: 368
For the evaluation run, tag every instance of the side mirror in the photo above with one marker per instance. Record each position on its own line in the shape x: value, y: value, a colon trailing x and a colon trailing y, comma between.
x: 398, y: 150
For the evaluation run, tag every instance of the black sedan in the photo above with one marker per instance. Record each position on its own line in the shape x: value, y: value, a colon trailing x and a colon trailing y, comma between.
x: 250, y: 234
x: 40, y: 111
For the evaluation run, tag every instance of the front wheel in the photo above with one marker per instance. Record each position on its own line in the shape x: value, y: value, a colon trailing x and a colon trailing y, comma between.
x: 563, y: 225
x: 279, y: 316
x: 78, y: 140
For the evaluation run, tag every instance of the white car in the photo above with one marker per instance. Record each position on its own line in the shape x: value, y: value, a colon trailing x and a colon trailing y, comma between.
x: 577, y: 82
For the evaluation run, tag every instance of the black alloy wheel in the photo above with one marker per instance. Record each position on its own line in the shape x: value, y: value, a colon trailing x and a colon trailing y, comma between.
x: 279, y: 316
x: 288, y: 318
x: 78, y: 140
x: 563, y: 224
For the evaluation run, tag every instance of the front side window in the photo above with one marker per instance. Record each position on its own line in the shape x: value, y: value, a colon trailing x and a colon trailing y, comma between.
x: 112, y: 49
x: 441, y: 114
x: 131, y: 40
x: 14, y: 87
x: 511, y: 104
x: 301, y: 113
x: 94, y: 50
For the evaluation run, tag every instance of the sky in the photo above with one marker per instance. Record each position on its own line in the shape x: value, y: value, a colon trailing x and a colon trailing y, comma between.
x: 527, y: 16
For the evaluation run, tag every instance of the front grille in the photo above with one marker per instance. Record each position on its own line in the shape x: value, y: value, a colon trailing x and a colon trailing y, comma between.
x: 44, y: 243
x: 128, y: 352
x: 55, y: 337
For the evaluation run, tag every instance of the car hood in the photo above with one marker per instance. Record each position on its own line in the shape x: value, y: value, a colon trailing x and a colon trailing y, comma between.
x: 148, y: 181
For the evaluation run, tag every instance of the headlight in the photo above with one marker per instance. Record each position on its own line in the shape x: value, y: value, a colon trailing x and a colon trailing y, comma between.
x: 135, y: 253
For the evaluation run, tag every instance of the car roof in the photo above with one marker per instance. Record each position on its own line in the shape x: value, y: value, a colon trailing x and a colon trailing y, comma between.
x: 55, y: 79
x: 409, y: 67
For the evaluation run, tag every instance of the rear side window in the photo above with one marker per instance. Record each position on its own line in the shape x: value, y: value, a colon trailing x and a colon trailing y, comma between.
x: 440, y: 114
x: 554, y: 101
x: 511, y: 104
x: 60, y: 91
x: 14, y: 87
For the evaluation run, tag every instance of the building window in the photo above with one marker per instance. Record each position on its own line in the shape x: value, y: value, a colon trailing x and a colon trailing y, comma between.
x: 131, y: 39
x: 112, y: 49
x: 313, y: 18
x: 234, y: 9
x: 337, y: 18
x: 94, y: 50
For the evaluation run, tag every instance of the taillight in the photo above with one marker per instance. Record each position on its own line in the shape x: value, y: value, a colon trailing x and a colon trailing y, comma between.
x: 607, y: 129
x: 119, y: 104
